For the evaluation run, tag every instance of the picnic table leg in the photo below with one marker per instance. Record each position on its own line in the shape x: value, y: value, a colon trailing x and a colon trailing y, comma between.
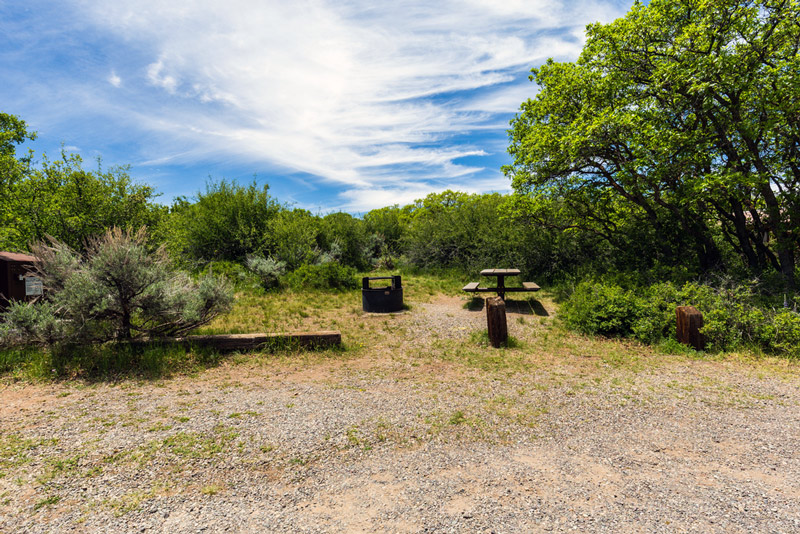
x: 501, y: 286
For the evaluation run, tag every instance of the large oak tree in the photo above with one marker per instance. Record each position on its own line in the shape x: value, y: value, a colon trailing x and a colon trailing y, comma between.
x: 684, y: 115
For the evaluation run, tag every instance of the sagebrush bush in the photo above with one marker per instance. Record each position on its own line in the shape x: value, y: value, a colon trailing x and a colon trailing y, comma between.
x: 121, y: 289
x: 268, y: 270
x: 27, y: 324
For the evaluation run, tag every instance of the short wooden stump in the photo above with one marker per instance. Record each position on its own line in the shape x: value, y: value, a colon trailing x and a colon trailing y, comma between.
x: 689, y: 323
x: 496, y: 321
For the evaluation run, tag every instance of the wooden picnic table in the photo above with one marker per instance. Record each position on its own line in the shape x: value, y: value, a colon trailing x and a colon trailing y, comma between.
x: 500, y: 288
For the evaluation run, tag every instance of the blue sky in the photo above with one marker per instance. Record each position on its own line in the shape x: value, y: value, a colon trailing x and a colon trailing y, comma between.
x: 337, y: 105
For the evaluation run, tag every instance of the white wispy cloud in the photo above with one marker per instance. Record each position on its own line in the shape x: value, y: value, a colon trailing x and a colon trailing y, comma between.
x: 354, y: 92
x: 406, y: 191
x: 114, y: 80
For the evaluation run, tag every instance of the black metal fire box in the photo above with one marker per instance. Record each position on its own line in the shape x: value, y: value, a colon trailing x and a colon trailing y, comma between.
x: 382, y: 299
x: 17, y: 281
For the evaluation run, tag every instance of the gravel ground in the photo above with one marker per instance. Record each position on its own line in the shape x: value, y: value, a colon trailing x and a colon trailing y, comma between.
x: 424, y: 431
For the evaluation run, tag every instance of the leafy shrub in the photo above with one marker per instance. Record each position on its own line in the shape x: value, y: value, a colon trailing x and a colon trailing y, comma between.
x: 233, y: 271
x: 731, y: 313
x: 293, y: 238
x: 656, y: 313
x: 332, y: 255
x: 346, y: 237
x: 597, y: 308
x: 268, y: 270
x: 64, y: 201
x: 227, y: 222
x: 734, y: 314
x: 238, y: 276
x: 785, y: 333
x: 324, y: 276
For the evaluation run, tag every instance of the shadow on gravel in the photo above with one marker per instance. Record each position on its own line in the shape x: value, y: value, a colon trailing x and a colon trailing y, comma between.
x: 475, y: 304
x: 529, y: 306
x: 114, y: 362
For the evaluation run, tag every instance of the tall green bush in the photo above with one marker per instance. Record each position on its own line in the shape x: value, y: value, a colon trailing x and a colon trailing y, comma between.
x: 62, y: 200
x: 292, y: 237
x: 227, y: 222
x: 347, y: 237
x: 329, y: 275
x: 604, y: 309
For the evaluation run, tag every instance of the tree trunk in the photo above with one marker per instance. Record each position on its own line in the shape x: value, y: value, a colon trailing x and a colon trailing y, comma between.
x: 740, y: 225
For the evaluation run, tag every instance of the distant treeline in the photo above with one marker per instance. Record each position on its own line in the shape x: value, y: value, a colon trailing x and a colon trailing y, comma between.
x: 228, y: 221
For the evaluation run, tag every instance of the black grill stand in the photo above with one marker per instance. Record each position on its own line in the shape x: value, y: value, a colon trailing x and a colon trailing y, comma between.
x: 382, y: 299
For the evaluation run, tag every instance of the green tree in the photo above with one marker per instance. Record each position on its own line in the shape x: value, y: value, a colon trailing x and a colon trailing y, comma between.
x: 60, y: 199
x: 390, y: 225
x: 471, y: 232
x: 227, y: 222
x: 682, y: 115
x: 293, y: 237
x: 344, y: 238
x: 13, y: 132
x: 63, y: 201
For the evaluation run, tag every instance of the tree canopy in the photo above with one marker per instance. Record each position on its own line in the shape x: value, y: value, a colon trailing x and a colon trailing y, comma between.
x: 62, y: 200
x: 681, y: 116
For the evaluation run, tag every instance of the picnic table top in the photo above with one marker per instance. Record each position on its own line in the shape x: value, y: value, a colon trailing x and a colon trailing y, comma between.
x: 500, y: 272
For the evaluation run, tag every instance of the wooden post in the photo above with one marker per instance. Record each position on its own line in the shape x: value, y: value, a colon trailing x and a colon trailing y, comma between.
x: 689, y: 323
x: 496, y: 321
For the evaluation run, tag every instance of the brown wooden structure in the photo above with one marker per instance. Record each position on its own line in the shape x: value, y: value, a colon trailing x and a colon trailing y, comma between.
x: 689, y: 322
x: 496, y: 321
x: 500, y: 288
x: 17, y: 281
x: 254, y: 342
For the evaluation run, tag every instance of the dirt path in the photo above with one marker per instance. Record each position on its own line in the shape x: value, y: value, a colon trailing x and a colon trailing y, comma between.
x: 421, y: 429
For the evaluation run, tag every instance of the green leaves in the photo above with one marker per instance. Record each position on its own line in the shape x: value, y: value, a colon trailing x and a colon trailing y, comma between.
x: 227, y: 222
x: 685, y: 110
x: 62, y: 200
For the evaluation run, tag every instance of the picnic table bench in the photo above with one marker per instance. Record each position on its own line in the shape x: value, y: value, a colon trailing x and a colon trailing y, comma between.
x: 500, y: 288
